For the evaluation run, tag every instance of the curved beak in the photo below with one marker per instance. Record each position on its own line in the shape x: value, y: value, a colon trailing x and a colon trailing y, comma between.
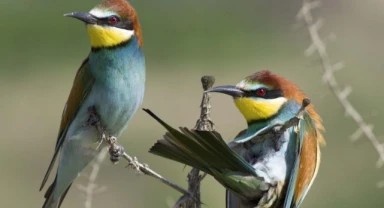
x: 228, y: 90
x: 83, y: 16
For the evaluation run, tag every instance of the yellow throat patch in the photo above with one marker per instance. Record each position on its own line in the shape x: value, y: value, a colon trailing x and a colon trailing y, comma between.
x: 259, y: 109
x: 104, y: 36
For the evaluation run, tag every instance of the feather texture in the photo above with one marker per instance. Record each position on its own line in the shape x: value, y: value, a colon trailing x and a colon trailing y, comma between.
x: 126, y: 11
x: 208, y: 152
x: 82, y: 85
x: 312, y: 137
x: 284, y: 165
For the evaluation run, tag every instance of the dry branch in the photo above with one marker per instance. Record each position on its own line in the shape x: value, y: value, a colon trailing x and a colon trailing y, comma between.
x: 92, y: 187
x: 116, y: 151
x: 204, y: 123
x: 318, y: 46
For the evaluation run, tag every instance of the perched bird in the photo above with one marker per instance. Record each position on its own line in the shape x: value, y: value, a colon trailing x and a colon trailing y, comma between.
x: 111, y: 80
x: 257, y: 169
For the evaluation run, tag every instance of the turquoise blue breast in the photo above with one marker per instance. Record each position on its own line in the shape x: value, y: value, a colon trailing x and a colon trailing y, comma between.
x: 119, y: 83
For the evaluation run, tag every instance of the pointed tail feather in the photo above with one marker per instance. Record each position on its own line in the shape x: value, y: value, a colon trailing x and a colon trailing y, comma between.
x: 50, y: 201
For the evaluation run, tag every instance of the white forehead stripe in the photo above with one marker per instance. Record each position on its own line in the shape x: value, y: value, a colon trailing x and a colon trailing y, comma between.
x: 101, y: 13
x: 245, y: 85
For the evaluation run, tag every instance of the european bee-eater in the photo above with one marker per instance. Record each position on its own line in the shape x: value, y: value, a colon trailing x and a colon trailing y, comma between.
x: 111, y: 80
x: 257, y: 170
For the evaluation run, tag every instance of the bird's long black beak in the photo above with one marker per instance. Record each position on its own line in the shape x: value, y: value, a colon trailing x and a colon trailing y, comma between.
x: 228, y: 90
x: 83, y: 16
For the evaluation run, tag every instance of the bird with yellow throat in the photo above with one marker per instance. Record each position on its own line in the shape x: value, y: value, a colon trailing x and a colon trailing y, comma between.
x: 257, y: 169
x: 111, y: 80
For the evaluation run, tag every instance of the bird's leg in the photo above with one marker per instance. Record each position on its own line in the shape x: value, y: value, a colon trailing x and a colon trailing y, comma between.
x: 115, y: 150
x: 93, y: 117
x: 94, y: 120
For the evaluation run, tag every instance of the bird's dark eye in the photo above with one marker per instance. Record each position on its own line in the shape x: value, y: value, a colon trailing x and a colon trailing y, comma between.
x: 113, y: 20
x: 261, y: 92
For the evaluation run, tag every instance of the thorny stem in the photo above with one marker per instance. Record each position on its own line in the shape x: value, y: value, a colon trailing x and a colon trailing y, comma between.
x: 116, y: 150
x: 318, y: 46
x: 203, y: 124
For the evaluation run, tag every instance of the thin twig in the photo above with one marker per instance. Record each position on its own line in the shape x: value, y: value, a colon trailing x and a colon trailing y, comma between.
x: 116, y: 151
x: 204, y: 123
x: 318, y: 46
x: 92, y: 188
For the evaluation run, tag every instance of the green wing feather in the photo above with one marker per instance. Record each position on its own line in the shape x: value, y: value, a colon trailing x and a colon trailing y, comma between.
x: 82, y: 85
x: 208, y: 152
x: 305, y: 125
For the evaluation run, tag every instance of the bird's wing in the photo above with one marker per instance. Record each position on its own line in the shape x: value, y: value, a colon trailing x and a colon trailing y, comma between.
x: 306, y: 163
x: 254, y: 131
x: 201, y: 149
x: 208, y: 152
x: 82, y: 85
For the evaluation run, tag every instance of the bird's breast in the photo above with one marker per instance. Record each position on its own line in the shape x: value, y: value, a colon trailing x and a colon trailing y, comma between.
x: 273, y: 158
x: 119, y: 85
x: 116, y: 106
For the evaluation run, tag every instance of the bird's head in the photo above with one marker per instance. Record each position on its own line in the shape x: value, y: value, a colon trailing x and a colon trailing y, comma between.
x: 261, y: 96
x: 111, y: 23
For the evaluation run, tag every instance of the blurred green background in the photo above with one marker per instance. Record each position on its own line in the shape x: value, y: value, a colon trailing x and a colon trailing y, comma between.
x: 184, y: 40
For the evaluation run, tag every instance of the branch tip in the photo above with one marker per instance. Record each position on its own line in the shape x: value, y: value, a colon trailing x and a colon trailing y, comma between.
x: 207, y: 82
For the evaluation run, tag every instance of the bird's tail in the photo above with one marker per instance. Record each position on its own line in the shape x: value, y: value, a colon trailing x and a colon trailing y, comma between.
x: 208, y: 152
x: 50, y: 201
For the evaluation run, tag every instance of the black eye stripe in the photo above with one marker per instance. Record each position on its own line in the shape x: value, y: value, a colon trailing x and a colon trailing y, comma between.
x: 269, y: 94
x: 125, y: 24
x: 128, y: 25
x: 105, y: 20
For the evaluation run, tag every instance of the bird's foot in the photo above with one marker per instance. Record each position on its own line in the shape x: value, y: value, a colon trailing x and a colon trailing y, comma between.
x: 134, y: 164
x: 115, y: 150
